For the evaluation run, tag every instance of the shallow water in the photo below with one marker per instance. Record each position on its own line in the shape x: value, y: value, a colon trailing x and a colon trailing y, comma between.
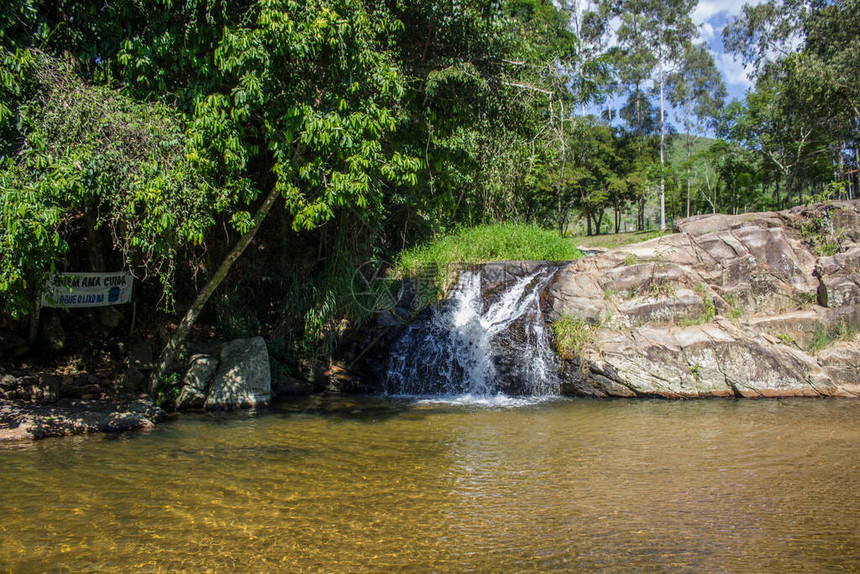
x: 371, y: 484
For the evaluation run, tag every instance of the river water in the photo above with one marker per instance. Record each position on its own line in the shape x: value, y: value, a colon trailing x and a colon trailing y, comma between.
x: 375, y: 484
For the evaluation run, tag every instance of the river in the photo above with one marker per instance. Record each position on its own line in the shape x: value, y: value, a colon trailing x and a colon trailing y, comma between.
x: 351, y: 484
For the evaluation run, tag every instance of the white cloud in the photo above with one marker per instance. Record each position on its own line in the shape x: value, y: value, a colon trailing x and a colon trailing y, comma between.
x: 707, y: 9
x: 732, y: 70
x: 707, y: 31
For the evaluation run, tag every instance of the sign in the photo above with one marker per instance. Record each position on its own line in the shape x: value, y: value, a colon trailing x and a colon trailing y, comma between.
x: 69, y: 290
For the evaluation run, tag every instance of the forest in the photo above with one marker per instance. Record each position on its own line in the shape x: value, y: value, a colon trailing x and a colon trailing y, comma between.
x: 253, y: 155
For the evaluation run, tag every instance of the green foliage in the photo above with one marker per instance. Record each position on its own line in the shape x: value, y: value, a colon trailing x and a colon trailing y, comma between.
x: 819, y: 233
x: 499, y: 242
x: 169, y: 389
x: 786, y: 339
x: 710, y: 310
x: 825, y: 335
x: 91, y: 153
x: 571, y: 336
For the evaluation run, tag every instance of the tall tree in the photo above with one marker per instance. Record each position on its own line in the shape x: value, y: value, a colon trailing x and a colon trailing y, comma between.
x: 698, y: 91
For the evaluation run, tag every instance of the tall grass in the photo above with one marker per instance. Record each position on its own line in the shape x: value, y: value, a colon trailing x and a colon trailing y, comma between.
x: 440, y: 259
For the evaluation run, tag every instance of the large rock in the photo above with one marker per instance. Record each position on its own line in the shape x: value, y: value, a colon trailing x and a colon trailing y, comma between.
x: 244, y: 376
x: 196, y: 382
x: 729, y: 306
x: 711, y: 360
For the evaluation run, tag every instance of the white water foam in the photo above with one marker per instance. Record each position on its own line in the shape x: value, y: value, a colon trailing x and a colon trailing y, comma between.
x: 498, y: 401
x: 475, y: 351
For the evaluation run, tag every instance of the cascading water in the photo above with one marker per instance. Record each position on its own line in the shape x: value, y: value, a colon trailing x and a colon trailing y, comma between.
x: 478, y: 346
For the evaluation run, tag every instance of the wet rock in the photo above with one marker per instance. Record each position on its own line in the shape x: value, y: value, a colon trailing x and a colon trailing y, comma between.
x: 500, y: 275
x: 243, y: 378
x: 289, y: 386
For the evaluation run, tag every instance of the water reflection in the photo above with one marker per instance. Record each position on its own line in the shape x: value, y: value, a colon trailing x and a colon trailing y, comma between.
x: 362, y: 484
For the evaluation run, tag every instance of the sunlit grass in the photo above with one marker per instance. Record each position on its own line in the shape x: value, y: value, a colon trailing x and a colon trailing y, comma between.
x: 441, y: 259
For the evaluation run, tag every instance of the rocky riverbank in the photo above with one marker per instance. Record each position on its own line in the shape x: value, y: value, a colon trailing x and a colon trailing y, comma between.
x: 753, y: 305
x: 236, y: 374
x: 125, y: 411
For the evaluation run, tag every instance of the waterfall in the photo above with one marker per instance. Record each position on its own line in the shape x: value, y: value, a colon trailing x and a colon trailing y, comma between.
x: 478, y: 345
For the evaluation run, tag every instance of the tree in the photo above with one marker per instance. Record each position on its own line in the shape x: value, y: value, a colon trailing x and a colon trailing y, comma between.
x: 803, y: 55
x: 319, y: 121
x: 698, y: 90
x: 92, y: 160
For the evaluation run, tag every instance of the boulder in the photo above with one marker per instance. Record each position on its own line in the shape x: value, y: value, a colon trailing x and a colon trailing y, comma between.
x: 196, y: 382
x: 53, y: 336
x: 108, y: 317
x: 133, y: 379
x: 140, y: 356
x: 243, y: 378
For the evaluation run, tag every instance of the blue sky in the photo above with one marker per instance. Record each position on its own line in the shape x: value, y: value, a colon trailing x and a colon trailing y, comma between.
x: 712, y: 16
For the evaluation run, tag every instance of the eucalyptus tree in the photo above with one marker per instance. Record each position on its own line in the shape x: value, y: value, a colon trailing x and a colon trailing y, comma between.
x: 670, y: 30
x: 697, y: 89
x: 653, y: 37
x: 806, y: 51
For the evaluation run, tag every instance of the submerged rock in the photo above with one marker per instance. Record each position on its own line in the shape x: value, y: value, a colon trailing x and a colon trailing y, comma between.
x: 20, y: 421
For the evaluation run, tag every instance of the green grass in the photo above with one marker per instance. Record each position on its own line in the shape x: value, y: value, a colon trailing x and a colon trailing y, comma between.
x: 570, y: 337
x: 613, y: 240
x: 443, y: 257
x: 825, y: 335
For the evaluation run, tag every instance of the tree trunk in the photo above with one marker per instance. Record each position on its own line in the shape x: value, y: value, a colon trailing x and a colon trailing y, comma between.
x: 598, y: 220
x: 662, y: 154
x: 776, y: 194
x: 168, y: 355
x: 560, y: 215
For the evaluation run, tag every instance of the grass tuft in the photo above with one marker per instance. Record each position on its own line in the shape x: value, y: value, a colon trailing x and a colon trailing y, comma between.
x: 570, y: 337
x: 443, y: 257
